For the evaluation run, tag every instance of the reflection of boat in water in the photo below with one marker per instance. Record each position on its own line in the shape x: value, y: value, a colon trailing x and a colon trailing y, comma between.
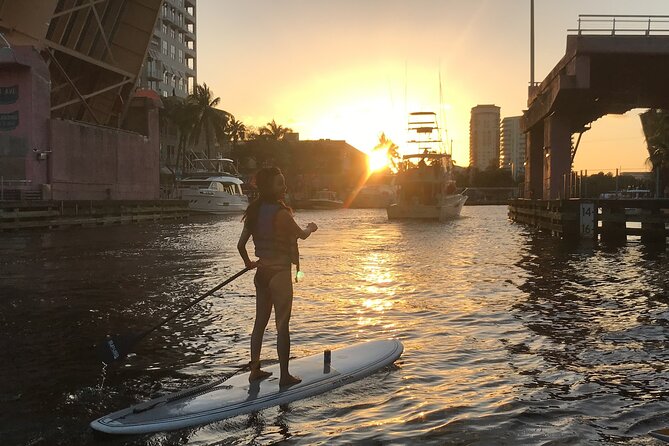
x: 426, y: 189
x: 213, y: 187
x: 325, y: 199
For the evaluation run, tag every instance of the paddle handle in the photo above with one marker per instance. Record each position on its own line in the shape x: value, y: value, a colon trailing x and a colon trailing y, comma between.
x: 187, y: 306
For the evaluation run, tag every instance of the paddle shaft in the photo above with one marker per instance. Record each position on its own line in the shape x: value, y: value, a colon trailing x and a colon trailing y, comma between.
x: 187, y: 306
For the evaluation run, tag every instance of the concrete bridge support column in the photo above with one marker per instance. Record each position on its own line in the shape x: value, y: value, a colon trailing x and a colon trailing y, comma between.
x: 534, y: 159
x: 557, y: 155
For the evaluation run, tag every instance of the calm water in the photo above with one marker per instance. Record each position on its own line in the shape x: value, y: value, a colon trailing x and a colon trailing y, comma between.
x: 510, y: 337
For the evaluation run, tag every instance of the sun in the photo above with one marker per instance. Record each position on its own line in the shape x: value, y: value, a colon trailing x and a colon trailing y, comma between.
x: 377, y: 160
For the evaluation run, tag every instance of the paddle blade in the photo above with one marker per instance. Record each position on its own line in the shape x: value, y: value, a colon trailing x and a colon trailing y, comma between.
x: 114, y: 348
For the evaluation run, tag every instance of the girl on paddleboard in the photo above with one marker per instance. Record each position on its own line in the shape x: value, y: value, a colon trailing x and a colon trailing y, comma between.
x: 275, y: 235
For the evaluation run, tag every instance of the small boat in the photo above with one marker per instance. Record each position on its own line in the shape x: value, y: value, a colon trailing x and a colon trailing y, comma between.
x: 217, y: 190
x: 425, y: 185
x: 374, y: 196
x: 324, y: 200
x: 631, y: 195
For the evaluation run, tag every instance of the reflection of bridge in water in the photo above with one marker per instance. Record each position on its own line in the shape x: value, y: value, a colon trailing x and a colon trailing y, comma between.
x: 612, y: 64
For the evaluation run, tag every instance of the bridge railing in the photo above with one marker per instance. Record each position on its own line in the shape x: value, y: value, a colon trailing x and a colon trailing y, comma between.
x: 595, y: 24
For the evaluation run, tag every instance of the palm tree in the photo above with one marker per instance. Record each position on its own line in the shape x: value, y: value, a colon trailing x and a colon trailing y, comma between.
x: 182, y: 115
x: 235, y: 130
x: 655, y: 124
x: 208, y: 119
x: 274, y: 131
x: 391, y: 150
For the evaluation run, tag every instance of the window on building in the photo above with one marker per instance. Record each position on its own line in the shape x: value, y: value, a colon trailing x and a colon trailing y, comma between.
x: 166, y: 10
x: 181, y: 56
x: 165, y: 47
x: 163, y: 28
x: 172, y: 33
x: 172, y: 52
x: 181, y: 36
x: 165, y: 93
x: 166, y: 77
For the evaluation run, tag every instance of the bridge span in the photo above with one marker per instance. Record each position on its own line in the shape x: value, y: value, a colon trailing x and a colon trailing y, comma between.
x: 606, y: 69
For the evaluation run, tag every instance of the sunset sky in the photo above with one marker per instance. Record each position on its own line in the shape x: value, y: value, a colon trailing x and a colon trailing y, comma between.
x: 351, y: 69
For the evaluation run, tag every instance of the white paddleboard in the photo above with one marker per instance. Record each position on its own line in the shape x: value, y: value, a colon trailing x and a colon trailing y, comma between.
x: 660, y: 434
x: 236, y: 396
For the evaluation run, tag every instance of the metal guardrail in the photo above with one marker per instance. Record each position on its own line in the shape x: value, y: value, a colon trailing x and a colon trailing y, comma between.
x: 616, y: 25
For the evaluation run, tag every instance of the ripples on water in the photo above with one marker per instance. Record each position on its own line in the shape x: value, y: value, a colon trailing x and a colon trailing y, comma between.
x: 510, y: 336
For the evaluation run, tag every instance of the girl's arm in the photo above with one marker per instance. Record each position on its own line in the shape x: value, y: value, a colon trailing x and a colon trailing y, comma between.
x: 287, y: 222
x: 241, y: 247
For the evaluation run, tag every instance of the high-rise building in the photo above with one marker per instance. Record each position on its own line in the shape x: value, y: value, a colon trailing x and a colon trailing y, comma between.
x: 513, y: 147
x: 170, y: 64
x: 484, y: 137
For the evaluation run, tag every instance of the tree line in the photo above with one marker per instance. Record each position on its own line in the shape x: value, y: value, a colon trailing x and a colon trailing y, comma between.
x: 197, y: 116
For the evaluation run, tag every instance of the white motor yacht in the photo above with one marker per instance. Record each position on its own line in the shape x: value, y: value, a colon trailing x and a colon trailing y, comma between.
x: 214, y: 190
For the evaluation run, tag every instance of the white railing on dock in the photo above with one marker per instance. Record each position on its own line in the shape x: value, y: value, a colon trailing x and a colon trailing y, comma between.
x: 617, y: 25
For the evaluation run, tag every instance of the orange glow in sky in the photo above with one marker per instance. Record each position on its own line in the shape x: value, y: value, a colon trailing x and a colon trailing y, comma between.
x: 350, y: 70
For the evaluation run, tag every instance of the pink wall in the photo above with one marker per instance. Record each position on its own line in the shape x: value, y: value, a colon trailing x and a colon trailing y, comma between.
x: 78, y: 161
x: 96, y: 163
x: 24, y: 92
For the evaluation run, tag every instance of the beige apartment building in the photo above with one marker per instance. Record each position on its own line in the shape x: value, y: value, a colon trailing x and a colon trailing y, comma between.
x: 512, y: 149
x: 170, y: 65
x: 484, y: 136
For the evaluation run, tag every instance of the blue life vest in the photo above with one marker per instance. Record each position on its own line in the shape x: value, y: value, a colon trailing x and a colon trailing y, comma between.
x: 265, y: 239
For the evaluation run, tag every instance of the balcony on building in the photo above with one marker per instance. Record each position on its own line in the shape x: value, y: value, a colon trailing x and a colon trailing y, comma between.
x: 190, y: 14
x: 190, y: 62
x: 170, y: 17
x: 190, y: 31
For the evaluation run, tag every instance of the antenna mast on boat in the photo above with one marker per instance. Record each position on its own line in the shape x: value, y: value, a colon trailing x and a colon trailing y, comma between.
x: 441, y: 118
x: 406, y: 69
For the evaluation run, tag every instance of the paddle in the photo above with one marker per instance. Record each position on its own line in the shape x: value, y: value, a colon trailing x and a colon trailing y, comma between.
x: 114, y: 348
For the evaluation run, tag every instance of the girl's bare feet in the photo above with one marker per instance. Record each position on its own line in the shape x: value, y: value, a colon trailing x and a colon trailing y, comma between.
x: 257, y: 374
x: 289, y: 380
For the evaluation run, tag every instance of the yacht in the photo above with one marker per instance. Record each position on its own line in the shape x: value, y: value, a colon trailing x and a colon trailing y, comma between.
x: 374, y: 196
x: 425, y: 185
x: 213, y: 187
x: 325, y: 199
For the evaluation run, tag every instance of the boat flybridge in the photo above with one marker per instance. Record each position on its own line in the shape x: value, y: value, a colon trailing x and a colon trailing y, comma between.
x: 213, y: 186
x: 425, y: 185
